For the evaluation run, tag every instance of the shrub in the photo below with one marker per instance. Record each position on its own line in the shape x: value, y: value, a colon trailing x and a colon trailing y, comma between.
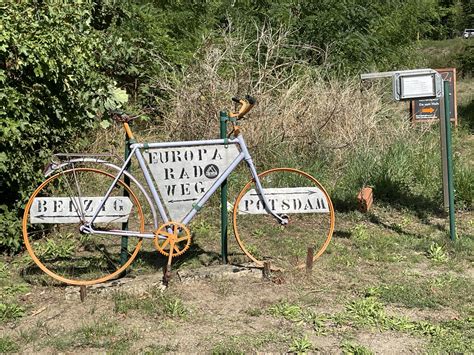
x: 50, y: 57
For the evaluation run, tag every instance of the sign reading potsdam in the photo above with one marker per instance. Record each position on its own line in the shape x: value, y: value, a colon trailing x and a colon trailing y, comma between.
x: 285, y: 200
x: 184, y: 174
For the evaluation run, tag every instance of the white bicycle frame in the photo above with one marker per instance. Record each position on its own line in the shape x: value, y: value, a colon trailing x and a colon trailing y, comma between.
x: 136, y: 151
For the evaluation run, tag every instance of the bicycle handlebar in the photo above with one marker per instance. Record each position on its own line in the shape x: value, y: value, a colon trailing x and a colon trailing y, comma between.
x: 247, y: 103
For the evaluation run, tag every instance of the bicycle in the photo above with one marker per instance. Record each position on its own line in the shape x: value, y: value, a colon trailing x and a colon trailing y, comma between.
x: 76, y: 222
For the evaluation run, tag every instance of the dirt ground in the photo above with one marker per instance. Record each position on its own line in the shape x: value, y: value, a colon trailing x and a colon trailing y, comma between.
x: 390, y: 282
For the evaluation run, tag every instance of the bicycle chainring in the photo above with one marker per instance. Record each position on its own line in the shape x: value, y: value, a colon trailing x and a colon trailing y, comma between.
x: 173, y: 235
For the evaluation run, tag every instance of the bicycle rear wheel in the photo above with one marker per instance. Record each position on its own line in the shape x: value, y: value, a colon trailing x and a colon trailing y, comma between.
x: 52, y: 220
x: 292, y: 194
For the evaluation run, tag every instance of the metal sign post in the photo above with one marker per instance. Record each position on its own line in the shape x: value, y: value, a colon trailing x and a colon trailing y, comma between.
x: 428, y: 84
x: 126, y: 180
x: 449, y: 162
x: 224, y: 221
x: 444, y: 160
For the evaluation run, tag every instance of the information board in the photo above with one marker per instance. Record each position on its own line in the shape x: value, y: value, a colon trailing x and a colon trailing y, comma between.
x: 184, y: 174
x: 428, y: 110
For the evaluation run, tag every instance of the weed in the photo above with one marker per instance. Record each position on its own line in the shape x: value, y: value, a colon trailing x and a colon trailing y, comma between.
x: 125, y: 302
x: 15, y: 289
x: 3, y: 270
x: 295, y: 313
x: 51, y: 250
x: 397, y: 258
x: 286, y: 310
x: 318, y: 322
x: 360, y: 233
x: 451, y: 337
x: 349, y: 348
x: 301, y: 345
x: 436, y: 253
x: 7, y: 345
x: 457, y: 337
x: 258, y: 233
x: 226, y: 349
x: 10, y: 311
x: 202, y: 229
x: 366, y: 312
x: 174, y: 307
x: 254, y: 312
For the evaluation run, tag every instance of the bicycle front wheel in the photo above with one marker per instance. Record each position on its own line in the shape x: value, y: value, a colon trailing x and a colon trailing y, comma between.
x: 55, y: 213
x: 299, y: 199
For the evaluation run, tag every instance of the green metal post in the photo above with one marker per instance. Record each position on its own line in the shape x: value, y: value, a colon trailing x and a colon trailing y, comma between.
x: 223, y: 127
x: 452, y: 225
x: 126, y: 180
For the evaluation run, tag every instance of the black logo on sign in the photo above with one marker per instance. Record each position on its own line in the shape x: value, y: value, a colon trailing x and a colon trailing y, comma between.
x: 211, y: 171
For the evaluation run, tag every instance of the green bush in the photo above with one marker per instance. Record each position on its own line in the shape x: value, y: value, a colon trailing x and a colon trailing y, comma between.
x: 50, y: 60
x: 466, y: 60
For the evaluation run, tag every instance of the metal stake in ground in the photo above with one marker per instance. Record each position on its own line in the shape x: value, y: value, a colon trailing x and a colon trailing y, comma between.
x: 126, y: 180
x: 223, y: 134
x: 449, y: 160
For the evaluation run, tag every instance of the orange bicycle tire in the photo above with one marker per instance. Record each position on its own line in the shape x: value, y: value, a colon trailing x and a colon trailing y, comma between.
x: 327, y: 239
x: 75, y: 281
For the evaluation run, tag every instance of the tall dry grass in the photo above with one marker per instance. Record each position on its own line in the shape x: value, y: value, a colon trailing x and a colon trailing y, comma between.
x: 301, y: 110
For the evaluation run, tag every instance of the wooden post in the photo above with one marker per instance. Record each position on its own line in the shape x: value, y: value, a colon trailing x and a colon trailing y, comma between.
x: 83, y: 292
x: 309, y: 259
x: 266, y: 270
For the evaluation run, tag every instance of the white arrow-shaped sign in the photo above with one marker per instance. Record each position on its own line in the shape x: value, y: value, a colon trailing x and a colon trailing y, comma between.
x: 285, y: 200
x: 71, y: 209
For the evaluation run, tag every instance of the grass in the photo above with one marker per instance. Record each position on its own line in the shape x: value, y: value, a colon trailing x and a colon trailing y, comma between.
x: 355, y: 288
x: 8, y: 345
x: 369, y: 313
x: 154, y: 304
x: 96, y: 335
x: 10, y: 312
x: 249, y: 342
x: 156, y: 349
x: 436, y: 292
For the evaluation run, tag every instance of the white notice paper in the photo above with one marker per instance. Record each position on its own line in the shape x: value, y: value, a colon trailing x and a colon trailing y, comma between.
x: 417, y: 86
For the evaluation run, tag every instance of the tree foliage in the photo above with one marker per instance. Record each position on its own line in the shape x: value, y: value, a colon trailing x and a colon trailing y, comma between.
x: 52, y: 88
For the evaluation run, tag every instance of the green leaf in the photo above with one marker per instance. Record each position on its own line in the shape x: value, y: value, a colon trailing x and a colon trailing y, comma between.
x: 119, y: 95
x: 104, y: 124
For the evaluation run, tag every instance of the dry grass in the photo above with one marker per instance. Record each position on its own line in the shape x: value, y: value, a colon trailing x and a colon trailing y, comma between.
x: 301, y: 109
